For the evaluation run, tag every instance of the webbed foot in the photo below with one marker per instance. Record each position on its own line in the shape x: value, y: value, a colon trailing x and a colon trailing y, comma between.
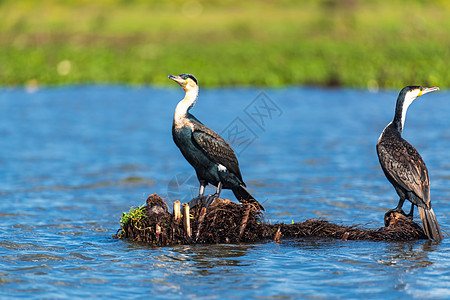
x: 196, y: 201
x: 204, y: 201
x: 399, y: 210
x: 209, y: 200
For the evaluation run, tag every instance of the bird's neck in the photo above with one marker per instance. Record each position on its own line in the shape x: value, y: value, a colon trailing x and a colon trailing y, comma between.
x: 400, y: 112
x: 185, y: 105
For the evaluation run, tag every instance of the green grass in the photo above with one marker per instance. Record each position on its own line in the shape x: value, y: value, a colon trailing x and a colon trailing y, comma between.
x: 135, y: 214
x: 265, y: 43
x: 134, y: 217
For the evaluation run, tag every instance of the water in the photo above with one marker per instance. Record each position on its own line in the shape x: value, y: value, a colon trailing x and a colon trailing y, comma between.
x: 73, y: 159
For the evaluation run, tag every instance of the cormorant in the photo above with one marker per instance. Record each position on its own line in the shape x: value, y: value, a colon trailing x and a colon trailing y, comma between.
x: 404, y: 167
x: 212, y: 158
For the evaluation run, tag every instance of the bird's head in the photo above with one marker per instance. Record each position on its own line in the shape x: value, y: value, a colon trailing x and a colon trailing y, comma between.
x: 410, y: 93
x: 405, y: 98
x: 186, y: 81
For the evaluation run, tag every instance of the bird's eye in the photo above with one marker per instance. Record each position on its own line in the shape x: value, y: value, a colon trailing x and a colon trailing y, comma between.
x: 421, y: 88
x: 185, y: 77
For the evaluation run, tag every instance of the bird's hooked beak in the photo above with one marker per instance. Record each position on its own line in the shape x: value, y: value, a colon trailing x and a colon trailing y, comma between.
x: 428, y: 90
x: 178, y: 80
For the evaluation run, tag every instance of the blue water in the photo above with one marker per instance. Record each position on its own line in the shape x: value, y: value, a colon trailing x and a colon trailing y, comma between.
x: 72, y: 159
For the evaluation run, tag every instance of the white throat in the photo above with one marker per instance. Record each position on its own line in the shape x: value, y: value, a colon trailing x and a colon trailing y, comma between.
x: 408, y: 100
x: 185, y: 105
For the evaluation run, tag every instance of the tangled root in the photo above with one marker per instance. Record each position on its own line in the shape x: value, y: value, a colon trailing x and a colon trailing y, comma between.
x: 229, y: 222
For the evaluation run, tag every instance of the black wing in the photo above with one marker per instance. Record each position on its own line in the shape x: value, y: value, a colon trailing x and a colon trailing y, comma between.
x: 403, y: 163
x: 215, y: 147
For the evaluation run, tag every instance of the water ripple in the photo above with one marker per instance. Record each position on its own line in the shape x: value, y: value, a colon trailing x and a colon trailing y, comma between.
x: 36, y: 257
x: 68, y: 172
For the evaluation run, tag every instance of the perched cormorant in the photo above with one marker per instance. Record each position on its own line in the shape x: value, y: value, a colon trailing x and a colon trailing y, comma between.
x: 403, y: 166
x: 212, y: 158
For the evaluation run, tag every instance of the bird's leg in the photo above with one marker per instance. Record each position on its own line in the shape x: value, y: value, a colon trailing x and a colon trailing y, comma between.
x: 211, y: 198
x: 219, y: 189
x: 202, y: 188
x: 199, y: 199
x: 399, y: 207
x: 411, y: 212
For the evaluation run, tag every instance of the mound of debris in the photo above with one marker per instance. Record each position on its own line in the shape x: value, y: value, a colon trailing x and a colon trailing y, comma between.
x: 229, y: 222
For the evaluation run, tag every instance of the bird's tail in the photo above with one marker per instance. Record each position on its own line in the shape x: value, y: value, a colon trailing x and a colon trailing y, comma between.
x: 243, y: 196
x: 430, y: 224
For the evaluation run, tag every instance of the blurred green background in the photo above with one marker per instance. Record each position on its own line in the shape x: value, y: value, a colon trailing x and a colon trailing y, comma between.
x: 366, y: 44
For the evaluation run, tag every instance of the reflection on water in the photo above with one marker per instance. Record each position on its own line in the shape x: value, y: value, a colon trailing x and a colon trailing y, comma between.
x: 73, y: 159
x: 207, y: 259
x: 412, y: 254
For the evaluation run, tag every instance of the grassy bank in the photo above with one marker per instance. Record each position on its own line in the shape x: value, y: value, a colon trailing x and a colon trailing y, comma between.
x: 349, y: 43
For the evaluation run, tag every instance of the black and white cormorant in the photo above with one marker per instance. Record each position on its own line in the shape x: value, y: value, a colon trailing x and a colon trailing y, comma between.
x: 212, y: 158
x: 404, y: 167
